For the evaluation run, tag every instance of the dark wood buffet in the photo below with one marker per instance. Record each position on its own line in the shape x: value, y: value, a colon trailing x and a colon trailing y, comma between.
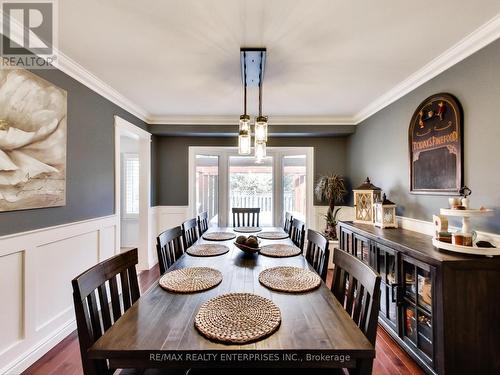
x: 443, y: 308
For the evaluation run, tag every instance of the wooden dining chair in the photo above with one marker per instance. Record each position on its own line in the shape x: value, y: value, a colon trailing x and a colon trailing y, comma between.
x: 246, y: 217
x: 298, y: 233
x: 94, y: 312
x: 189, y: 232
x: 170, y: 247
x: 287, y: 226
x: 317, y: 252
x: 357, y: 287
x: 202, y: 222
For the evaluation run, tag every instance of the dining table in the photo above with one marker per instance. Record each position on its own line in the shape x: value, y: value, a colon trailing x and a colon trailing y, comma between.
x: 159, y: 331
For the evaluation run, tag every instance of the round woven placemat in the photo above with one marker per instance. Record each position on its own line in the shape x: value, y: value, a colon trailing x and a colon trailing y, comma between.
x: 247, y: 229
x: 190, y: 280
x: 273, y: 235
x: 219, y: 236
x: 280, y: 250
x: 289, y: 279
x: 237, y: 318
x: 207, y: 250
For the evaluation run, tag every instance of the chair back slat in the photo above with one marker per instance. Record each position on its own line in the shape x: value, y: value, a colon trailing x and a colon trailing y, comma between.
x: 203, y: 222
x: 115, y: 299
x: 298, y: 233
x: 317, y: 252
x: 92, y: 302
x: 287, y: 225
x: 357, y: 287
x: 246, y: 217
x: 170, y: 247
x: 189, y: 232
x: 104, y: 303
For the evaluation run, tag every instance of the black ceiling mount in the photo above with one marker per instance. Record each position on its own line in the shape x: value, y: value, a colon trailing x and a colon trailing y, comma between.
x: 253, y: 61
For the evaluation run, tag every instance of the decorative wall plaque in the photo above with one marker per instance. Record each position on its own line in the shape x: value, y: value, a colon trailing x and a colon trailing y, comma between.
x: 435, y: 140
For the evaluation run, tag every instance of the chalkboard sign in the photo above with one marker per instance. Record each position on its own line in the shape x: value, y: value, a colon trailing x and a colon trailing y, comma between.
x: 435, y: 145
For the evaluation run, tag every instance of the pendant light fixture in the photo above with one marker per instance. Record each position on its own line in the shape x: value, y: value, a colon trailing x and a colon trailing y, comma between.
x: 252, y: 72
x: 244, y: 137
x: 260, y: 123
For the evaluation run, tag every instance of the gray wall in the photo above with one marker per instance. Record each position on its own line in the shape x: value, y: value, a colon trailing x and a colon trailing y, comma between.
x: 90, y: 160
x: 170, y: 163
x: 379, y: 148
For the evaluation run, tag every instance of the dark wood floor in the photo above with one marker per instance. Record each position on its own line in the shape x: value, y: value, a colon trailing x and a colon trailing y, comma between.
x: 64, y: 358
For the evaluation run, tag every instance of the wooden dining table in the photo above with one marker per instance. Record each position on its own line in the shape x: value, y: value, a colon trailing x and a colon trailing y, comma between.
x: 158, y: 330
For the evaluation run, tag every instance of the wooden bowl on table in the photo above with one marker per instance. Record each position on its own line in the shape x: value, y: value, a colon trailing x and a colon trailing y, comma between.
x: 247, y: 249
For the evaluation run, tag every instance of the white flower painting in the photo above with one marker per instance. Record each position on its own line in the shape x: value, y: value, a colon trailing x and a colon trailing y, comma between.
x: 32, y: 142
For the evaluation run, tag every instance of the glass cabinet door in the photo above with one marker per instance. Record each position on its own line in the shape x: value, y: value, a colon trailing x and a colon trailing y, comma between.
x: 362, y: 248
x: 346, y: 240
x: 417, y: 307
x: 386, y: 266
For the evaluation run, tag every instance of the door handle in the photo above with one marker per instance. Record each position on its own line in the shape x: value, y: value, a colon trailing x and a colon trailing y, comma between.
x: 395, y: 292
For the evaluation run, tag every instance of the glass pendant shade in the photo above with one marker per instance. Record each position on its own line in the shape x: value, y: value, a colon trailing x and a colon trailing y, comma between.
x: 245, y: 123
x: 261, y: 129
x: 260, y: 151
x: 244, y: 147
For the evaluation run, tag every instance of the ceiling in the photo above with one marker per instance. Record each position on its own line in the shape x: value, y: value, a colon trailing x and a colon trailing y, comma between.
x: 329, y: 59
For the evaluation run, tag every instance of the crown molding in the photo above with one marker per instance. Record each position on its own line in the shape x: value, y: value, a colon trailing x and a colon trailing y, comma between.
x: 479, y: 38
x: 233, y: 120
x: 67, y: 65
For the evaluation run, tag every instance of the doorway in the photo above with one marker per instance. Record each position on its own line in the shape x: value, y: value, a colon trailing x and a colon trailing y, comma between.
x: 133, y: 191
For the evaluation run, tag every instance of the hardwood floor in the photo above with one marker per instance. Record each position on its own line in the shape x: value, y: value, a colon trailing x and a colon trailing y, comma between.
x: 64, y: 358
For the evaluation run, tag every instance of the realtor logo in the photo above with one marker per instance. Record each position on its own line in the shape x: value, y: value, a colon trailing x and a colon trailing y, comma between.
x: 29, y: 33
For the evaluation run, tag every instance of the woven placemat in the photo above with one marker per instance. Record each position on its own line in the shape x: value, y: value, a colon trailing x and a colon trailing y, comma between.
x: 247, y: 229
x: 237, y: 318
x: 280, y: 250
x: 273, y: 235
x: 207, y: 250
x: 218, y: 236
x: 289, y: 279
x: 191, y: 280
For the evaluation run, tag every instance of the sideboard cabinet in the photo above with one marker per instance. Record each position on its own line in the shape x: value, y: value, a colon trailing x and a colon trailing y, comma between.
x: 442, y: 308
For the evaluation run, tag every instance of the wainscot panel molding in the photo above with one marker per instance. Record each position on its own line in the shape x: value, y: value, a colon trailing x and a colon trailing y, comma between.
x: 38, y: 267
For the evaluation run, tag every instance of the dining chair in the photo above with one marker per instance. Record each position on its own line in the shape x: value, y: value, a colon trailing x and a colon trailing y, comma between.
x: 203, y: 222
x: 288, y: 222
x: 94, y: 313
x: 317, y: 252
x: 298, y: 233
x: 357, y: 287
x: 170, y: 247
x: 246, y: 217
x: 189, y: 232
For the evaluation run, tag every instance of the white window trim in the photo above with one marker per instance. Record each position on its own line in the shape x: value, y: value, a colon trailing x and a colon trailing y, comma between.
x: 128, y: 156
x: 277, y: 153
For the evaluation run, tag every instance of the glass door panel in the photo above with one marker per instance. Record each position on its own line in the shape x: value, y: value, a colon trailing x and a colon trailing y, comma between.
x: 417, y: 306
x: 207, y: 186
x: 362, y: 249
x: 294, y: 186
x: 251, y: 185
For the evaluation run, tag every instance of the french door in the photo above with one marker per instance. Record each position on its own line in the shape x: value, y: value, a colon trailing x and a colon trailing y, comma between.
x: 220, y: 179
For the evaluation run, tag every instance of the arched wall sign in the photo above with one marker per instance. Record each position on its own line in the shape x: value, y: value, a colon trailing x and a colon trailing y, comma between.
x: 435, y: 140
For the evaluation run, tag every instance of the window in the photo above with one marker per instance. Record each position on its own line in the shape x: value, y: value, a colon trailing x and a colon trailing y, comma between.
x: 131, y: 183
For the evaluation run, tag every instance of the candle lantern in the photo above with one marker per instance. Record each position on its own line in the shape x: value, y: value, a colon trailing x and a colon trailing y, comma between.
x: 384, y: 213
x: 365, y: 196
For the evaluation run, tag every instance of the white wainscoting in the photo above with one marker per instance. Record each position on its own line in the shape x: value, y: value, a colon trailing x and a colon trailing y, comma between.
x: 36, y: 269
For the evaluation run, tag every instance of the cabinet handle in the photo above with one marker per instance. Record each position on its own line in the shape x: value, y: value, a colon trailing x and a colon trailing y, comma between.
x: 395, y: 292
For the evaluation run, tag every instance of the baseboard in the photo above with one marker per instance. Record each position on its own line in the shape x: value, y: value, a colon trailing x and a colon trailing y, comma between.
x: 26, y: 359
